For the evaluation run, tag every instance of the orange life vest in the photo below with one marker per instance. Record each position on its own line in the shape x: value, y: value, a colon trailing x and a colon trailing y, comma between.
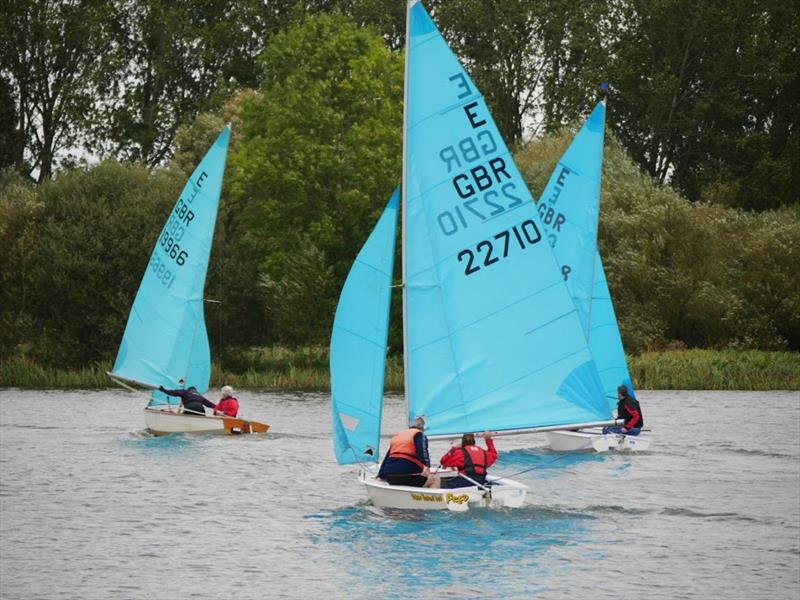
x: 402, y: 446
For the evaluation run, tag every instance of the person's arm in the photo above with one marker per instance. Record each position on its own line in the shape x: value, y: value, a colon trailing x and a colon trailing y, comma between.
x: 421, y: 446
x: 179, y: 393
x: 207, y: 402
x: 491, y: 452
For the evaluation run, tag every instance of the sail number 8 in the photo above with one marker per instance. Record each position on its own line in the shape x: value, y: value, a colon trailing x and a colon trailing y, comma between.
x: 491, y: 251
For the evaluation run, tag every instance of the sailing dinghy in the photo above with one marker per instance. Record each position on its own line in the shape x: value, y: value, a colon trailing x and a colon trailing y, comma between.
x: 492, y: 340
x: 569, y: 209
x: 165, y: 341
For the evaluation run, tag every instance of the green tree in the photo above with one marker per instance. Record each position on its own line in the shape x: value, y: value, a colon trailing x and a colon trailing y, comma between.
x: 175, y: 59
x: 318, y: 156
x: 75, y: 249
x: 53, y: 53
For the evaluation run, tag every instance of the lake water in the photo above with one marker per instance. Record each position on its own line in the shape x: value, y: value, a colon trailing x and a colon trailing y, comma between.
x: 93, y: 507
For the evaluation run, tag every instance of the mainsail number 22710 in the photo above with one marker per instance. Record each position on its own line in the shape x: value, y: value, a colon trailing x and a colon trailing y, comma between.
x: 492, y: 251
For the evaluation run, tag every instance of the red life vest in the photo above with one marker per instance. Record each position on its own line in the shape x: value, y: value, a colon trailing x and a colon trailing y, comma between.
x: 229, y: 406
x: 402, y: 446
x: 474, y: 460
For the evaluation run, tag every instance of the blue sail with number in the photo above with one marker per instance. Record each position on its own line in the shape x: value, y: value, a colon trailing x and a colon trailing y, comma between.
x: 492, y: 339
x: 569, y: 209
x: 165, y: 340
x: 358, y: 344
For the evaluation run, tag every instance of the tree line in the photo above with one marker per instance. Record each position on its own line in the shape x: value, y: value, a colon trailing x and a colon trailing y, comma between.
x: 315, y: 99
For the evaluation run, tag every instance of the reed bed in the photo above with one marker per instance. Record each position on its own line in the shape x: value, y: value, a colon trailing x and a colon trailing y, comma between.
x: 306, y: 369
x: 716, y: 370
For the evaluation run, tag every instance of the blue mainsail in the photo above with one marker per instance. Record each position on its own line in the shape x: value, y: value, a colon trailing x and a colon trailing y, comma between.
x: 358, y: 344
x: 492, y: 339
x: 569, y: 209
x: 165, y: 341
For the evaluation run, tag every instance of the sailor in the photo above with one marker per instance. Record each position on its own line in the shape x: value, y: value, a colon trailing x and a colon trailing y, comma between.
x: 628, y: 409
x: 407, y: 461
x: 470, y: 460
x: 228, y: 405
x: 191, y: 400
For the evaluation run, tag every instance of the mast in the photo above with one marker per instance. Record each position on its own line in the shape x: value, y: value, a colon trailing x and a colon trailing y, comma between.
x: 403, y: 211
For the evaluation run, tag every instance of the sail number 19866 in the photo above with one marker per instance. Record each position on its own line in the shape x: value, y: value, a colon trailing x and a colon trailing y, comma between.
x: 492, y: 251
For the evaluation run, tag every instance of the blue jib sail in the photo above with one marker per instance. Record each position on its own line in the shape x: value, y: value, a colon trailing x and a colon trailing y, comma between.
x: 493, y: 339
x: 569, y: 209
x: 358, y: 344
x: 165, y: 341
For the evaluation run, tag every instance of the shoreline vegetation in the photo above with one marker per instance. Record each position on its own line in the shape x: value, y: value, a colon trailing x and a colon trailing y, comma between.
x: 306, y: 369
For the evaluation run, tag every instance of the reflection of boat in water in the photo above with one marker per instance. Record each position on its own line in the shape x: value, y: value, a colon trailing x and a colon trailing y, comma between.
x: 492, y: 341
x: 165, y: 341
x: 569, y: 209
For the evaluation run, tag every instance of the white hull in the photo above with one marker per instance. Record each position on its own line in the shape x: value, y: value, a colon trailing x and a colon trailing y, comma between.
x: 578, y: 441
x: 164, y: 422
x: 503, y: 493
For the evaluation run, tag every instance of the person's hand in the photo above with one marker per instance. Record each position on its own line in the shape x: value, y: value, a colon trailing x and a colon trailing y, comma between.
x: 425, y: 471
x: 161, y: 388
x: 487, y: 435
x: 624, y: 430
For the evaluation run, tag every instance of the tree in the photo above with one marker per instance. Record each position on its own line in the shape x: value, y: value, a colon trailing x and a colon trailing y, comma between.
x: 53, y: 54
x: 175, y: 59
x: 319, y: 155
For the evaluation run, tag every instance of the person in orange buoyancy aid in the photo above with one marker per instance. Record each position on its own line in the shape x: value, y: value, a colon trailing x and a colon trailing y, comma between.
x: 228, y: 405
x: 407, y: 462
x: 470, y: 460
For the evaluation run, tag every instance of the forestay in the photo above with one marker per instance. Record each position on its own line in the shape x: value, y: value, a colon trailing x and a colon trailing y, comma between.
x: 165, y: 340
x: 358, y: 344
x: 493, y: 340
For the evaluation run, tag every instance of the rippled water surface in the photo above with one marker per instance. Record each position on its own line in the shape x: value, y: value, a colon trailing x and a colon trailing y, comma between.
x: 93, y: 507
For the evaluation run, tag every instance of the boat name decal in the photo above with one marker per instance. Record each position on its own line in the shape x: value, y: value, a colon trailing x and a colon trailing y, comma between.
x: 456, y: 499
x: 427, y: 497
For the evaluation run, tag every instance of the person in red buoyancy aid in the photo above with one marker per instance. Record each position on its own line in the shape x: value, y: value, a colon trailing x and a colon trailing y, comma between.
x: 630, y: 411
x: 470, y: 460
x: 227, y: 406
x: 407, y: 462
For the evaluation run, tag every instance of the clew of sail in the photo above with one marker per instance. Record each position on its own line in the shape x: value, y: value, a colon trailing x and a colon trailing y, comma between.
x: 165, y: 340
x: 492, y: 338
x: 358, y: 344
x: 569, y: 210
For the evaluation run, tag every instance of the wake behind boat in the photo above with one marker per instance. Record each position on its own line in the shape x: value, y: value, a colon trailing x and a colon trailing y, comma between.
x: 165, y: 343
x: 492, y: 341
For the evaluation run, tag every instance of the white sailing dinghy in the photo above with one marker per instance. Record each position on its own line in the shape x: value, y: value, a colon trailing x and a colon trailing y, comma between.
x: 492, y: 340
x: 569, y: 209
x: 165, y: 341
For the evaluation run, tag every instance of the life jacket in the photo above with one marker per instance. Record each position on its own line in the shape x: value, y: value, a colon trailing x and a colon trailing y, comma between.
x: 630, y: 410
x: 402, y: 446
x: 474, y: 461
x: 229, y: 406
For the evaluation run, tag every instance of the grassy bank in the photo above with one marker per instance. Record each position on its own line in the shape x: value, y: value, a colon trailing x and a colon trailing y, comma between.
x: 306, y: 369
